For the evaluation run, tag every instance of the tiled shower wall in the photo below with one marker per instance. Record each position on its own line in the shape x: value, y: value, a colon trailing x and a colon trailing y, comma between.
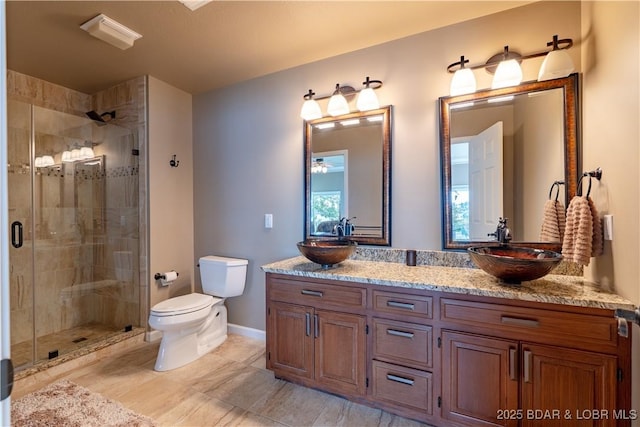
x: 116, y: 232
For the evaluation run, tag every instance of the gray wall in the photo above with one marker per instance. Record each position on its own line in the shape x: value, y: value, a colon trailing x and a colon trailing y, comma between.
x: 248, y: 139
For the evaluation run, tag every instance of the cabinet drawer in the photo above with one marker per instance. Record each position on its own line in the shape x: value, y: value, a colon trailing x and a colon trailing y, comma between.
x: 403, y: 387
x: 404, y: 304
x: 548, y: 326
x: 403, y: 343
x: 317, y: 294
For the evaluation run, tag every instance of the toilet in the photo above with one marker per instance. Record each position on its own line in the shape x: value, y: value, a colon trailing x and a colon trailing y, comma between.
x: 194, y: 324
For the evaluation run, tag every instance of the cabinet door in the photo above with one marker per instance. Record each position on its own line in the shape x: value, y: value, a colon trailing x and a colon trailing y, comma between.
x: 479, y: 380
x: 564, y: 384
x: 291, y: 339
x: 340, y: 352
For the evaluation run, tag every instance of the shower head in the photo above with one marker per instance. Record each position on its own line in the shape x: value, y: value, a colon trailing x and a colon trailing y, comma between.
x: 98, y: 118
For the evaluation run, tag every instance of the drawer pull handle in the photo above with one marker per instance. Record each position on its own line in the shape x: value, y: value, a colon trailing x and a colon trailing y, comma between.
x: 527, y: 366
x: 311, y: 293
x: 400, y: 333
x: 404, y: 305
x: 512, y: 364
x: 519, y: 322
x: 307, y: 323
x: 316, y: 326
x: 398, y: 379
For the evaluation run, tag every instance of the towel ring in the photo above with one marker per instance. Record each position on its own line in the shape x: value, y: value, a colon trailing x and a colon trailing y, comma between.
x: 557, y: 185
x: 580, y: 185
x: 597, y: 174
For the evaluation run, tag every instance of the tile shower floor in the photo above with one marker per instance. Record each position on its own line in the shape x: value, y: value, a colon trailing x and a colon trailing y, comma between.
x: 63, y: 341
x: 228, y: 386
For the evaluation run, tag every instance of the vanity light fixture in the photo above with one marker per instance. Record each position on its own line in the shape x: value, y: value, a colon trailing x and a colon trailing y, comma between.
x: 44, y: 161
x: 110, y: 31
x: 66, y: 157
x: 367, y: 99
x: 338, y: 104
x: 506, y: 66
x: 86, y: 153
x: 310, y: 109
x: 463, y: 81
x: 75, y: 154
x: 508, y: 72
x: 556, y: 64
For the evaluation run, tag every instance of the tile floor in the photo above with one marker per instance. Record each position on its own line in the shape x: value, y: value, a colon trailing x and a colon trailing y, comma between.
x: 229, y: 386
x: 63, y: 341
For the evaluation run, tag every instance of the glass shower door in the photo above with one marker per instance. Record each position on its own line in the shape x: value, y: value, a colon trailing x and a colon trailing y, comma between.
x: 19, y: 125
x: 75, y: 251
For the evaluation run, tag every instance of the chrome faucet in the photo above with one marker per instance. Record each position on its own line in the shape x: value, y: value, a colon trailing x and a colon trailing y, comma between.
x: 344, y: 227
x: 502, y: 233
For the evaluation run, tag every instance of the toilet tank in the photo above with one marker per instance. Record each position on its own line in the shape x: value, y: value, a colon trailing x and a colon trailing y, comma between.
x: 223, y: 277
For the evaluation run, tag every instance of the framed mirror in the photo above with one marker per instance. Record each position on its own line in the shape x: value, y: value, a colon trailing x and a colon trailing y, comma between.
x: 348, y: 175
x: 504, y: 152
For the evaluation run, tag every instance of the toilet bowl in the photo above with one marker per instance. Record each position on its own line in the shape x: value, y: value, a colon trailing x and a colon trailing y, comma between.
x: 194, y: 324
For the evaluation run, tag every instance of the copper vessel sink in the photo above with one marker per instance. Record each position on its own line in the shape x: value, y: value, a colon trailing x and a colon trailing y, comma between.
x: 514, y: 264
x: 327, y: 252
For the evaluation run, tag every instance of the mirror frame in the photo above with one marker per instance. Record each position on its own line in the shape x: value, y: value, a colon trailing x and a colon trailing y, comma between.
x: 570, y: 86
x: 385, y: 238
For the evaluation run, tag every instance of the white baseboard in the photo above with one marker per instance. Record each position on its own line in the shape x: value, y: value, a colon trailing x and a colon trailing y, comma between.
x: 153, y: 335
x: 246, y: 332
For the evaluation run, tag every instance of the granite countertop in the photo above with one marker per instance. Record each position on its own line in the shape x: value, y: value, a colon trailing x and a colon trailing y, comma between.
x: 553, y: 288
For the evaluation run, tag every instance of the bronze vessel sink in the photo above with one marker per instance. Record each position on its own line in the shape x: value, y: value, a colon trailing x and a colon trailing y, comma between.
x: 327, y: 252
x: 514, y: 264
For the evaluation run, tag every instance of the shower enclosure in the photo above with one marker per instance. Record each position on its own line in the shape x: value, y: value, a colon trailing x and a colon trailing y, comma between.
x: 74, y: 225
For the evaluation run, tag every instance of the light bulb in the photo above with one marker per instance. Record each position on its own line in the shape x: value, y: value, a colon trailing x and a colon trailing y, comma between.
x: 86, y: 153
x: 556, y: 64
x: 463, y: 82
x: 310, y: 110
x: 47, y: 161
x: 367, y: 100
x: 507, y: 74
x: 337, y: 105
x: 66, y: 157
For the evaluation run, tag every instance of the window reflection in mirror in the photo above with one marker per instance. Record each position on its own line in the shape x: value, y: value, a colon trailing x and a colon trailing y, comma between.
x: 329, y: 191
x: 347, y: 173
x: 502, y: 150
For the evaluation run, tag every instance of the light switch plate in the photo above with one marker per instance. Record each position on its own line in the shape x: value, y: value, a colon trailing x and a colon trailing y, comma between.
x: 268, y: 220
x: 608, y: 227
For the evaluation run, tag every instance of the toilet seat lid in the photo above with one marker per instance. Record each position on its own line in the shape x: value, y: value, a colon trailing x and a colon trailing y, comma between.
x: 183, y: 304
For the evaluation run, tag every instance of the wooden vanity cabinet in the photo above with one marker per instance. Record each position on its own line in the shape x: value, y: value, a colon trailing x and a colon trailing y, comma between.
x: 450, y: 359
x: 402, y: 353
x: 509, y: 365
x: 315, y: 336
x: 478, y: 380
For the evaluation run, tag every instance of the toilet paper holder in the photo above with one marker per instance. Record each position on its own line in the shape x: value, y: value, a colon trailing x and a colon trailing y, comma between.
x: 163, y: 276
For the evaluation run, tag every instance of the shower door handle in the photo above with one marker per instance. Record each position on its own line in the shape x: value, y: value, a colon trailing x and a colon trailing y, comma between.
x: 16, y: 234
